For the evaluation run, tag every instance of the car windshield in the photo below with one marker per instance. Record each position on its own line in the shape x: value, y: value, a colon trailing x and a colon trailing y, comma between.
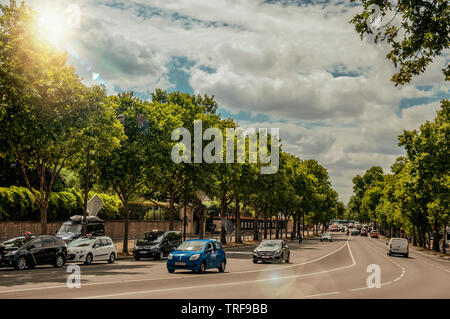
x: 71, y: 228
x: 192, y: 246
x: 83, y: 242
x: 270, y: 244
x: 151, y: 237
x: 15, y: 242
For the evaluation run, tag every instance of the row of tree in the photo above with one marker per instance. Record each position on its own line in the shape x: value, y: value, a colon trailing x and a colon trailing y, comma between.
x: 51, y: 121
x: 413, y: 200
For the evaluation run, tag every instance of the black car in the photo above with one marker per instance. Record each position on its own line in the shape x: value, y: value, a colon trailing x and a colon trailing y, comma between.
x: 271, y: 250
x: 42, y: 250
x: 156, y: 244
x: 11, y: 245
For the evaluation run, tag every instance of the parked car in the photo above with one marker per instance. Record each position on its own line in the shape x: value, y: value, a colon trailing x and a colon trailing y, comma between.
x: 398, y: 246
x: 197, y: 255
x: 363, y: 232
x: 12, y: 245
x: 71, y: 229
x: 156, y: 244
x: 374, y: 234
x: 42, y: 250
x: 354, y: 232
x: 271, y: 250
x: 334, y: 228
x: 89, y: 249
x: 326, y: 237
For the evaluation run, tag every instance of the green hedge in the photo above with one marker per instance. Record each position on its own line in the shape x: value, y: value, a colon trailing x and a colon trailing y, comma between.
x: 17, y: 204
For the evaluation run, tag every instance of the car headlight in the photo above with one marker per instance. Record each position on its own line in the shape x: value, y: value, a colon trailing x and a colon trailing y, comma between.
x: 194, y: 257
x: 278, y: 252
x: 170, y: 256
x: 255, y: 252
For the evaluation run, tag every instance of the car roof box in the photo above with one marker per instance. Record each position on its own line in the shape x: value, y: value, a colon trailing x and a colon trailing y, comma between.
x: 89, y: 219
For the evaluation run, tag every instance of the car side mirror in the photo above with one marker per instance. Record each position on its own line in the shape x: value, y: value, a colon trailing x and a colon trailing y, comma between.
x: 387, y: 243
x: 31, y: 247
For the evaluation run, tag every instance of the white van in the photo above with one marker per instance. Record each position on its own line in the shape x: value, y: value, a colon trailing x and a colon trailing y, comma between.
x: 398, y: 246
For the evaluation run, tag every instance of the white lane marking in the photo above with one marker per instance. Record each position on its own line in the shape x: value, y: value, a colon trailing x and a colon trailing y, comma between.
x: 324, y: 294
x: 183, y: 277
x: 237, y: 283
x: 389, y: 282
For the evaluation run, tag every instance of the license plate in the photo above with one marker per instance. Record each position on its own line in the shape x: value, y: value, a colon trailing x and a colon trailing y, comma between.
x: 179, y: 263
x: 143, y: 252
x: 265, y: 257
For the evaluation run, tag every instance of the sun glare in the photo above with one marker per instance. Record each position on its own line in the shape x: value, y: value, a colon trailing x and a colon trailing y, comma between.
x: 53, y: 25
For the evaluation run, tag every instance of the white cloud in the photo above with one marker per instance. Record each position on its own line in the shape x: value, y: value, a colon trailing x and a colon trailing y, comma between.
x: 271, y: 59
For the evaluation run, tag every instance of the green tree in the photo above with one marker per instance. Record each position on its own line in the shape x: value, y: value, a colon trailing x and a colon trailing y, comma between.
x: 416, y: 32
x: 45, y: 107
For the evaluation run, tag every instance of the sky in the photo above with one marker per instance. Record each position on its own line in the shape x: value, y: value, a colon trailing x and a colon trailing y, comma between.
x: 294, y: 65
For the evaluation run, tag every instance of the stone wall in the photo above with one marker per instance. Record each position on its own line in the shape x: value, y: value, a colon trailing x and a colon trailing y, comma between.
x: 113, y: 229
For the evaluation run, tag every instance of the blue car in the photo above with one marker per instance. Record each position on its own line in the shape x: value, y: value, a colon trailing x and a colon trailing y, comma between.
x: 197, y: 255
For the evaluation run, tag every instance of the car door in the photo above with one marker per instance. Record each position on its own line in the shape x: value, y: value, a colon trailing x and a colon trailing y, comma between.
x: 97, y: 249
x: 48, y: 250
x: 220, y: 254
x: 36, y: 252
x: 210, y: 256
x: 104, y: 249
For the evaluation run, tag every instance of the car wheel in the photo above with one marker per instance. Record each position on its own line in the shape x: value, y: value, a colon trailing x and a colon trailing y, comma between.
x: 255, y: 261
x: 202, y: 268
x: 222, y: 266
x: 21, y: 264
x: 321, y: 240
x: 406, y: 255
x: 89, y: 259
x: 59, y: 262
x: 161, y: 255
x: 389, y: 253
x: 137, y: 258
x: 288, y: 258
x: 171, y: 270
x: 112, y: 258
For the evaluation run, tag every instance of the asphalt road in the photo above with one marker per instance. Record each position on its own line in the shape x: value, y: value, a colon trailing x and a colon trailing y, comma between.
x: 317, y: 270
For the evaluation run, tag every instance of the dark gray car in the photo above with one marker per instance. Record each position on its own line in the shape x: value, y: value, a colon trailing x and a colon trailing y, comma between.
x: 271, y: 251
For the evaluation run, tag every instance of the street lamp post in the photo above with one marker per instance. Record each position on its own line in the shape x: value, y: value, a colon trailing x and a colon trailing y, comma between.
x: 184, y: 218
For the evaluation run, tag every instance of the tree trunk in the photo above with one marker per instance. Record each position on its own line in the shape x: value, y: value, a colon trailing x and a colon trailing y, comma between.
x: 265, y: 222
x: 201, y: 222
x: 223, y: 237
x: 436, y: 236
x: 303, y: 226
x: 277, y: 227
x: 171, y: 210
x: 256, y: 226
x: 294, y: 226
x: 43, y: 210
x: 127, y: 221
x: 238, y: 221
x: 444, y: 238
x: 414, y: 236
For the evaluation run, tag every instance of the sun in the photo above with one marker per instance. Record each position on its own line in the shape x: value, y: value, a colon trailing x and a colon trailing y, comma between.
x: 53, y: 26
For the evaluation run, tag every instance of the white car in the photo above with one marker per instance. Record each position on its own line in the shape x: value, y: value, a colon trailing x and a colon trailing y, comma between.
x: 89, y: 249
x: 326, y: 237
x: 398, y: 246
